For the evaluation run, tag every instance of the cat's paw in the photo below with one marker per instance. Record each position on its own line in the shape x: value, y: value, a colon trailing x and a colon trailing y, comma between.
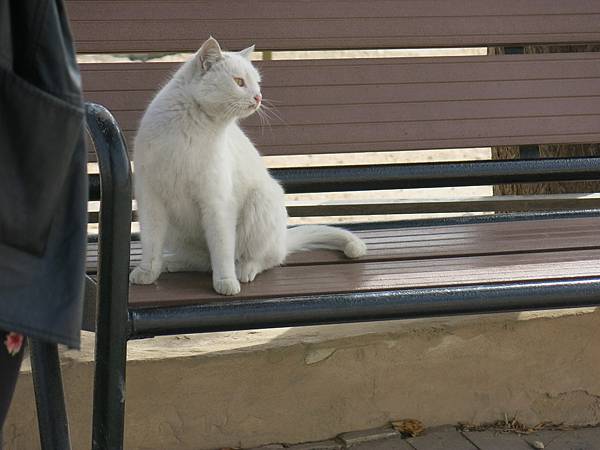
x: 246, y: 272
x: 355, y: 249
x: 143, y: 276
x: 226, y: 286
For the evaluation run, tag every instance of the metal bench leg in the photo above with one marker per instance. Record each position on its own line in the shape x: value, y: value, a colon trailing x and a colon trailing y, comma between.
x: 109, y: 384
x: 49, y: 396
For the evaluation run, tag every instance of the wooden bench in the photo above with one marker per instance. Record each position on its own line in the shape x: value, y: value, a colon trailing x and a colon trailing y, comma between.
x: 488, y: 263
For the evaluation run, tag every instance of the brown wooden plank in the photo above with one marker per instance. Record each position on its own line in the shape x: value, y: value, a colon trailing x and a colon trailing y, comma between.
x: 406, y: 250
x: 186, y: 288
x: 317, y: 72
x: 161, y: 26
x: 446, y: 241
x: 395, y: 104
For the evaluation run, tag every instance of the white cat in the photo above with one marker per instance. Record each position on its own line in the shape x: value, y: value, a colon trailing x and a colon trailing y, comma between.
x: 206, y: 201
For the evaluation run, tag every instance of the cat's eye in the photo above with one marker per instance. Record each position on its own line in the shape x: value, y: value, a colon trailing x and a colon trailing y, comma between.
x: 239, y: 81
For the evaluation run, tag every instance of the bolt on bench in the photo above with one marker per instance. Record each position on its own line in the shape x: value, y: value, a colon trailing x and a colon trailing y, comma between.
x: 541, y: 252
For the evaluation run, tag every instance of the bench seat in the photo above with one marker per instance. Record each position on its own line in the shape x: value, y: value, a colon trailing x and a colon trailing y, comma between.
x: 404, y: 258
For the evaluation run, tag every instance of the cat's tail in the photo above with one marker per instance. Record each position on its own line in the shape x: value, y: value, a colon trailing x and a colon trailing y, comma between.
x: 312, y: 237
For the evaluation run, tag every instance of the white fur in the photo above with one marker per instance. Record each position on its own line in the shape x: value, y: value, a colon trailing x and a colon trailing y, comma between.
x: 206, y: 201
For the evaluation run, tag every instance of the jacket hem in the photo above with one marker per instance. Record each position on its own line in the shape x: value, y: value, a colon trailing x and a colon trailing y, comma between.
x: 69, y: 341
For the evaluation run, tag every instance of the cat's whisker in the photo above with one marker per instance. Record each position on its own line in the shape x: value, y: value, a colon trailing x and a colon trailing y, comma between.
x: 265, y: 115
x: 272, y: 110
x: 229, y: 111
x: 233, y: 108
x: 267, y: 119
x: 264, y: 120
x: 270, y: 103
x: 261, y: 120
x: 270, y: 100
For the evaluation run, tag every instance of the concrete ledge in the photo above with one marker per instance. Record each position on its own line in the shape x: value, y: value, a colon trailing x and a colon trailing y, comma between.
x: 294, y: 385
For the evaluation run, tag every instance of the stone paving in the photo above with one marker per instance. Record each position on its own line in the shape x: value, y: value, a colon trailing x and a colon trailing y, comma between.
x: 449, y: 438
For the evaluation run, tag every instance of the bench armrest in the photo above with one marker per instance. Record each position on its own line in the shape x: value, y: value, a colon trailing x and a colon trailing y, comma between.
x: 115, y: 208
x: 115, y: 202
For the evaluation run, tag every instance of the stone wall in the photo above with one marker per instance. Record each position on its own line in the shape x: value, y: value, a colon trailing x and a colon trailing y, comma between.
x: 202, y: 392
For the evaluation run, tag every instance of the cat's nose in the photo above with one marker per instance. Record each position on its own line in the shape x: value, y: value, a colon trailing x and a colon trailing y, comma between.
x: 258, y: 98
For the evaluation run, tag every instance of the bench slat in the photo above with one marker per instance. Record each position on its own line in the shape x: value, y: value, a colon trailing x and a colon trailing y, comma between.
x: 189, y: 288
x: 395, y: 104
x: 172, y: 26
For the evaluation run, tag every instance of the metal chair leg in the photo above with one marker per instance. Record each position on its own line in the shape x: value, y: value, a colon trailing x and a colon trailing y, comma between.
x: 49, y: 396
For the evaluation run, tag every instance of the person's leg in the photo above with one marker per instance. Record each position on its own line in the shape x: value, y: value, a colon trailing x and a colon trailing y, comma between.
x: 12, y: 346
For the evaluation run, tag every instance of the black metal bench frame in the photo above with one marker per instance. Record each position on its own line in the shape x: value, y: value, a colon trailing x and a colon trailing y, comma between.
x: 117, y: 323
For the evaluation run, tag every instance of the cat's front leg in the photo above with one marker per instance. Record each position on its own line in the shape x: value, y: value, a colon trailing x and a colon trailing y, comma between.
x: 219, y: 227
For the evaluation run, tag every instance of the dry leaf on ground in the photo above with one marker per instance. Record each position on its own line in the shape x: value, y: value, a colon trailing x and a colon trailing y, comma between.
x: 409, y: 427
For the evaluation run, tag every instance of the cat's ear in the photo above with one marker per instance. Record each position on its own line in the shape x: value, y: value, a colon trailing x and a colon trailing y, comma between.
x: 209, y: 53
x: 247, y: 52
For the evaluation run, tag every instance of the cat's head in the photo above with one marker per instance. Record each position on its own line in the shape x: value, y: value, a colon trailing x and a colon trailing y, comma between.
x: 226, y: 84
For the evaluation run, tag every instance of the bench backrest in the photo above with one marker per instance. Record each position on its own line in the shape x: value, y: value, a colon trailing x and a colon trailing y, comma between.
x: 361, y: 105
x: 364, y: 105
x: 117, y: 26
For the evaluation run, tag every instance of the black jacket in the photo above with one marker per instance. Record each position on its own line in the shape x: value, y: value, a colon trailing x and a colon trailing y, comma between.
x: 43, y: 182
